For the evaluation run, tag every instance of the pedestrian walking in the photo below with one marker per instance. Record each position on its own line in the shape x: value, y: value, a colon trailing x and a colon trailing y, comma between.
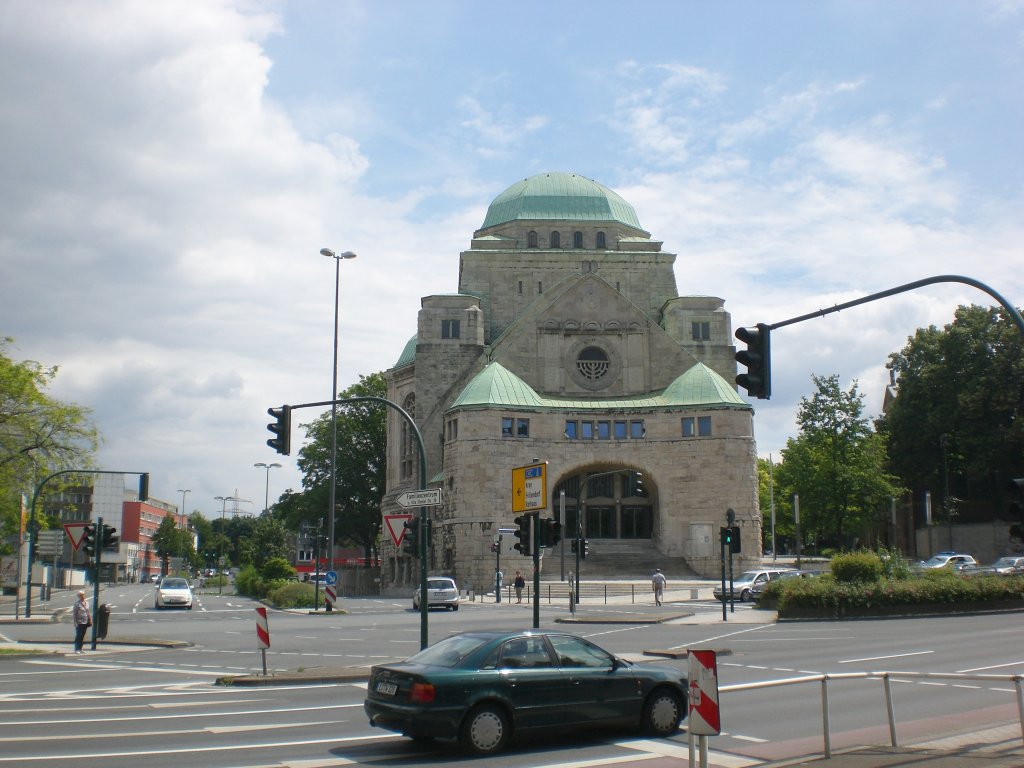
x: 519, y: 583
x: 658, y: 583
x: 83, y: 620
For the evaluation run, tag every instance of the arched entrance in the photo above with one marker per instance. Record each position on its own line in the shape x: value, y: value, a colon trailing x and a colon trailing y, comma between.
x: 607, y: 504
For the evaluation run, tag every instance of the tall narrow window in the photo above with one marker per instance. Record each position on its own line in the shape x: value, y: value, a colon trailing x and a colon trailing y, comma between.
x: 408, y: 445
x: 570, y: 430
x: 556, y: 240
x: 449, y: 329
x: 701, y: 331
x: 522, y: 427
x: 704, y: 426
x: 506, y: 426
x: 601, y: 240
x: 577, y: 239
x: 520, y: 287
x: 688, y: 426
x: 531, y: 239
x: 604, y: 431
x: 620, y: 430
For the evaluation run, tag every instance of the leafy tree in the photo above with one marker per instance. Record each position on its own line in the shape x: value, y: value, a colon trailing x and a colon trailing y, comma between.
x: 267, y: 540
x: 958, y: 412
x: 38, y: 435
x: 171, y: 541
x: 836, y: 465
x: 361, y: 464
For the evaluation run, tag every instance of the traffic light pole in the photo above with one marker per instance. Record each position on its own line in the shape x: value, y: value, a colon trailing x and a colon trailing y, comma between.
x: 424, y: 521
x: 98, y: 549
x: 33, y: 534
x: 536, y: 569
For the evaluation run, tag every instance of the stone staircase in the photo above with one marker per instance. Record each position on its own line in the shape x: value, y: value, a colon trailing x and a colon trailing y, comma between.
x: 616, y: 559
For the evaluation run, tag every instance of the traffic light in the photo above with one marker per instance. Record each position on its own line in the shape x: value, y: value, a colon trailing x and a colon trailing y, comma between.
x: 110, y: 538
x: 575, y: 543
x: 411, y: 542
x: 282, y: 428
x: 89, y: 540
x: 1016, y: 487
x: 523, y: 534
x: 494, y: 546
x: 144, y: 486
x: 758, y: 359
x: 730, y: 537
x: 550, y: 532
x: 586, y: 549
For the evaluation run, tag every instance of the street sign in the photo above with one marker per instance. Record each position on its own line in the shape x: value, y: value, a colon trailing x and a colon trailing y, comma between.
x: 76, y: 533
x: 396, y: 527
x: 331, y: 577
x: 48, y: 543
x: 431, y: 497
x: 530, y: 488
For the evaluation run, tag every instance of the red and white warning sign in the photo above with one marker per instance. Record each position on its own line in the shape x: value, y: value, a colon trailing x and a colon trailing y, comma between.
x: 262, y: 627
x: 331, y: 593
x: 704, y: 718
x: 76, y: 533
x: 396, y: 526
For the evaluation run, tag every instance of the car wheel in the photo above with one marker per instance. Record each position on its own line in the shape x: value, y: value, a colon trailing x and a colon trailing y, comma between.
x: 485, y: 730
x: 744, y: 595
x: 455, y: 607
x: 414, y: 606
x: 663, y: 712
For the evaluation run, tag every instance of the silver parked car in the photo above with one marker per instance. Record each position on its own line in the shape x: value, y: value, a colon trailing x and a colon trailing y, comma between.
x: 745, y: 582
x: 441, y: 592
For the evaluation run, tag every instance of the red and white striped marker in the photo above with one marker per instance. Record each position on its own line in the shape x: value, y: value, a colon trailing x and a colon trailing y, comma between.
x: 331, y: 594
x: 705, y: 718
x: 262, y: 628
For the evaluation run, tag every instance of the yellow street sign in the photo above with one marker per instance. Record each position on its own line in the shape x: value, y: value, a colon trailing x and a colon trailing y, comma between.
x: 530, y: 488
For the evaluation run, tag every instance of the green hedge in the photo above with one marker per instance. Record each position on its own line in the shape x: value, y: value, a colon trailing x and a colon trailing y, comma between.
x: 829, y: 597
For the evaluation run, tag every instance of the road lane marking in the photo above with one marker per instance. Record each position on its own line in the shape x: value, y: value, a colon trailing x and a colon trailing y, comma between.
x: 890, y: 656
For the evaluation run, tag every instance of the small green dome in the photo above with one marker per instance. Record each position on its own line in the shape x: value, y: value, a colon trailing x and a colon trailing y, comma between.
x: 560, y: 197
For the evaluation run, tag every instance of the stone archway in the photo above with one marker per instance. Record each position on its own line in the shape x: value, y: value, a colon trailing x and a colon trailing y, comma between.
x: 613, y: 503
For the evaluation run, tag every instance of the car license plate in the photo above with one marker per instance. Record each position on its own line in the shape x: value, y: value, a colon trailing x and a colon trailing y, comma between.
x: 388, y: 689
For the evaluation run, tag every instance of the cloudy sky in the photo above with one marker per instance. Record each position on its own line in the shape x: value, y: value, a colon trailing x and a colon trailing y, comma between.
x: 171, y: 170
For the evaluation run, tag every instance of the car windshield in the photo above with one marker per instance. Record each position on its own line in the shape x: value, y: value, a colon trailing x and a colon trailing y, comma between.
x: 1005, y: 562
x: 174, y: 584
x: 747, y: 576
x: 449, y: 651
x: 440, y: 584
x: 937, y: 560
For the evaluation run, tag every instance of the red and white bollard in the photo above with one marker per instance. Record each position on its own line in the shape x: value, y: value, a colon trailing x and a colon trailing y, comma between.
x: 263, y: 634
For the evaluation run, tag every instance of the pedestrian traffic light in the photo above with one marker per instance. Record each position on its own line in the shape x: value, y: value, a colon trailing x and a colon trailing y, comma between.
x: 282, y: 428
x: 411, y: 542
x: 523, y: 534
x: 586, y: 549
x: 730, y: 537
x: 757, y: 357
x: 110, y: 538
x: 550, y: 532
x: 494, y: 546
x: 89, y: 539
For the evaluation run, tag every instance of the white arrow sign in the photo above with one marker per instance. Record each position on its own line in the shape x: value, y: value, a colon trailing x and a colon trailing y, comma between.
x: 428, y: 498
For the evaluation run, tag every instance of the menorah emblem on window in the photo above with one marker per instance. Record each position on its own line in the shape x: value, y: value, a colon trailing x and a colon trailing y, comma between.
x: 592, y: 363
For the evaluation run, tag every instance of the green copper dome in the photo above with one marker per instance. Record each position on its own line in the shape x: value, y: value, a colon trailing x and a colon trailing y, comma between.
x: 560, y: 197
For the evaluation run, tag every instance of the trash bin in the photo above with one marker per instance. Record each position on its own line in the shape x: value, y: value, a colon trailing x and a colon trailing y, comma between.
x: 103, y: 620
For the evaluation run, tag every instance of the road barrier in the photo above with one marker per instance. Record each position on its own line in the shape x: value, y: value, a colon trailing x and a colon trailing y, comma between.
x: 886, y: 678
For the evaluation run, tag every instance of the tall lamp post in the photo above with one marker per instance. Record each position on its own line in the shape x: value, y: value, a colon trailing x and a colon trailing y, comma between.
x: 184, y: 492
x: 266, y: 494
x: 334, y: 405
x: 223, y: 509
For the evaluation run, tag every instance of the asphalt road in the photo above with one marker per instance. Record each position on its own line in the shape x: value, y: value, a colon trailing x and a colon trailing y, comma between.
x: 287, y: 725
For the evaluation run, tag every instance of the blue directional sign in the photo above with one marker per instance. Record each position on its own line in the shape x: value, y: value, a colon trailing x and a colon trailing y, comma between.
x: 331, y: 577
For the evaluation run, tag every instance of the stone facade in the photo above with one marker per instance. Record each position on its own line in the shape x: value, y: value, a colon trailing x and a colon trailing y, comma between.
x: 567, y: 344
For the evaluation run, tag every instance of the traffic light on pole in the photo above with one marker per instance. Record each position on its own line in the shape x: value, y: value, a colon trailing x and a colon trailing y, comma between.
x: 757, y: 357
x: 89, y: 540
x: 725, y: 534
x: 550, y: 532
x: 282, y: 428
x: 586, y: 549
x: 734, y: 539
x: 110, y: 538
x: 144, y: 486
x: 523, y: 535
x: 411, y: 542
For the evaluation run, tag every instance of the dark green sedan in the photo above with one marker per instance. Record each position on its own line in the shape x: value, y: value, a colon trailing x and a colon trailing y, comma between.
x: 483, y: 687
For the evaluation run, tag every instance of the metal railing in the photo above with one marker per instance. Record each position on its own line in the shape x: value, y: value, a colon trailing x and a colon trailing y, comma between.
x: 886, y: 678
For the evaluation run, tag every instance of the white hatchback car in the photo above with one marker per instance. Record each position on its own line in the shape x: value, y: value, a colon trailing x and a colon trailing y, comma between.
x: 173, y: 592
x: 743, y: 583
x: 441, y: 592
x: 952, y: 560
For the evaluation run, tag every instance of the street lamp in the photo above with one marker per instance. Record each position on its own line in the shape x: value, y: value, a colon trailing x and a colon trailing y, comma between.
x: 184, y: 492
x: 334, y: 405
x: 266, y: 495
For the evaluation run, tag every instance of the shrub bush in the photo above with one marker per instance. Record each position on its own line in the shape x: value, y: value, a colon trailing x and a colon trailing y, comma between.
x: 857, y: 567
x: 291, y: 594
